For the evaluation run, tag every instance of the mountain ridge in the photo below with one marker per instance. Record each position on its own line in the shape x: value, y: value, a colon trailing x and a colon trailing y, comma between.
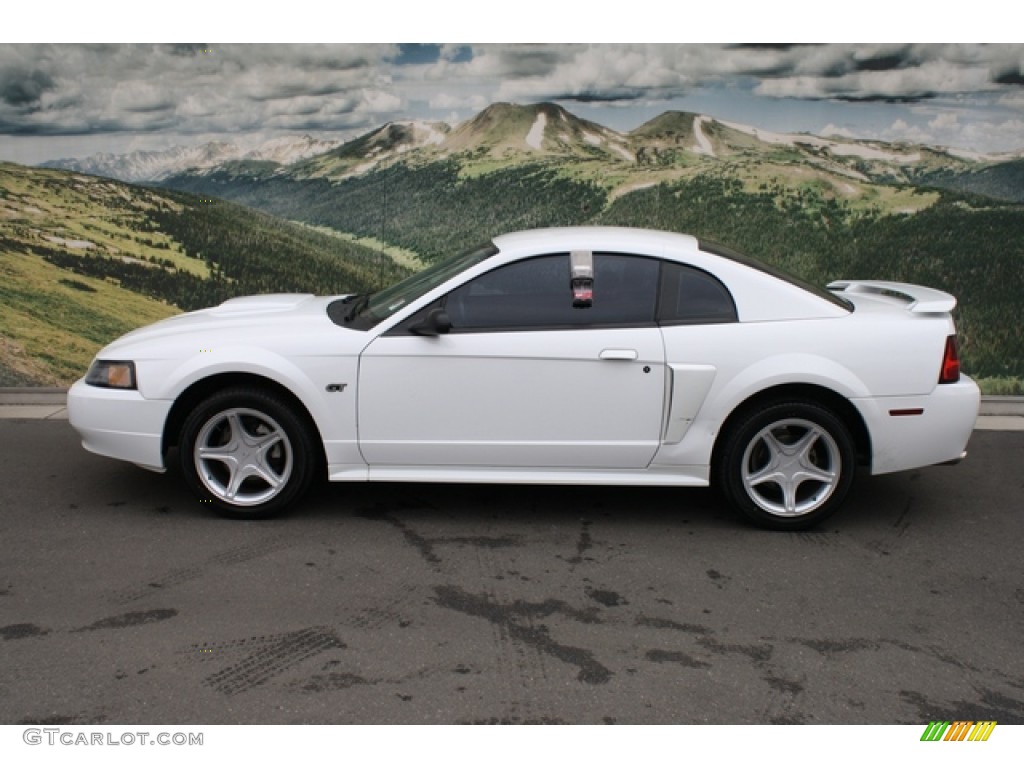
x: 505, y: 133
x: 824, y: 208
x: 156, y: 165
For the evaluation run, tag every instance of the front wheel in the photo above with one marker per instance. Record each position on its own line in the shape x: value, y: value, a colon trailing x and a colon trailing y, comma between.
x: 787, y: 466
x: 246, y: 452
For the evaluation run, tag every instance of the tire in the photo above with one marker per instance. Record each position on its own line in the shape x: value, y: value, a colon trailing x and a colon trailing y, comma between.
x: 247, y: 452
x: 787, y: 466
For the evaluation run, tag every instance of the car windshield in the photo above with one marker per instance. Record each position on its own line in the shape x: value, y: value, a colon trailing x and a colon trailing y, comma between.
x: 365, y: 312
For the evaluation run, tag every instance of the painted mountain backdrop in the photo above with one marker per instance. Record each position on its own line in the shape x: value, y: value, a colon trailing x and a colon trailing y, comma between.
x: 409, y: 193
x: 156, y: 165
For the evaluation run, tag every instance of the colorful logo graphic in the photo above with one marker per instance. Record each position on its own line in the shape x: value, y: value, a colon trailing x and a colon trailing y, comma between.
x: 958, y: 730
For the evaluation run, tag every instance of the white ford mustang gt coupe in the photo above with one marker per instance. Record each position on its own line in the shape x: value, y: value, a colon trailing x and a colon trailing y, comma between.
x: 590, y: 355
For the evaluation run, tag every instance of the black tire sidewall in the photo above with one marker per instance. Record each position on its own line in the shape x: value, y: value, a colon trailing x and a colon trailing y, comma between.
x: 730, y: 464
x: 301, y: 444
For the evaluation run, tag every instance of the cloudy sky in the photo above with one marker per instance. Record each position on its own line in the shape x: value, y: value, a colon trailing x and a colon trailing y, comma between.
x: 65, y: 100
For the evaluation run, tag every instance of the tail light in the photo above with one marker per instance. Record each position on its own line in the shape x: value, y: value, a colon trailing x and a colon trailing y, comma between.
x: 950, y: 363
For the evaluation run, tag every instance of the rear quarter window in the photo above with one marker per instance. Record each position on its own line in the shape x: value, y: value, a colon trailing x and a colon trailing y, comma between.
x: 691, y: 296
x: 779, y: 274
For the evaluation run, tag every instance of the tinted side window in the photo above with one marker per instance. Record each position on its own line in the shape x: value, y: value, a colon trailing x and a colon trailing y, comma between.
x: 691, y: 296
x: 526, y: 293
x: 625, y: 289
x: 536, y: 294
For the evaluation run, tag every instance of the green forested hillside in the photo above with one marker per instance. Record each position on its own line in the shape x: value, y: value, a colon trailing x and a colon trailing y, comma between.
x: 85, y: 259
x: 969, y: 246
x: 1003, y: 181
x: 252, y: 252
x: 824, y: 209
x: 432, y: 209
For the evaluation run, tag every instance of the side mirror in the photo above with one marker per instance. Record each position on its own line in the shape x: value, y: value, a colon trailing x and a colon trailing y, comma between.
x: 435, y: 323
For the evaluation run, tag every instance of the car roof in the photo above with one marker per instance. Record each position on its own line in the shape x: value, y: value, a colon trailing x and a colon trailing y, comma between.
x: 633, y: 239
x: 760, y: 293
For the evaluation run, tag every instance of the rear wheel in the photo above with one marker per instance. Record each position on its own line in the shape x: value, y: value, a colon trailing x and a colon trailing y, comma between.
x: 788, y: 465
x: 246, y: 452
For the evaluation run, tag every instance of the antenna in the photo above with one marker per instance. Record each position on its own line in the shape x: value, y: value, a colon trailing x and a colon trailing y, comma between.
x: 383, y: 227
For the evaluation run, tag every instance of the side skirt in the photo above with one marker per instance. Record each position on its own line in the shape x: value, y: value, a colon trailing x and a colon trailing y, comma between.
x: 654, y: 476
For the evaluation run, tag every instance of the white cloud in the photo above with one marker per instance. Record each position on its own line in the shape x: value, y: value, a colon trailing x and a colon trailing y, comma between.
x: 945, y: 121
x: 902, y: 131
x: 376, y: 101
x: 1014, y: 100
x: 188, y: 90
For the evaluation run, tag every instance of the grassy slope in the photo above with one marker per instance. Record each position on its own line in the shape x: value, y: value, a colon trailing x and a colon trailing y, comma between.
x: 51, y: 321
x: 84, y: 260
x: 52, y: 324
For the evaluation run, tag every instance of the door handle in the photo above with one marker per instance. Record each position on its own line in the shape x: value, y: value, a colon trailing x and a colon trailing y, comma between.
x: 618, y: 354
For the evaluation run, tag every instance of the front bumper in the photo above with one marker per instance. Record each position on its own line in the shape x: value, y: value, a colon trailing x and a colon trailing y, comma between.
x: 121, y: 424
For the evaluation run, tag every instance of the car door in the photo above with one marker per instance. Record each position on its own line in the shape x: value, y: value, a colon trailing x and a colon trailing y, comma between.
x: 522, y: 378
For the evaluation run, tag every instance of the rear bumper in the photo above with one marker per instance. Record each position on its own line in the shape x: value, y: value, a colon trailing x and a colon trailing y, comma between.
x: 119, y: 424
x: 918, y: 431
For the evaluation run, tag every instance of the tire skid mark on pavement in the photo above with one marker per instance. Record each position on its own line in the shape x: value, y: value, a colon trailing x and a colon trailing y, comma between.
x: 660, y: 623
x: 130, y: 619
x: 522, y: 647
x: 21, y: 631
x: 156, y: 585
x: 509, y: 618
x: 330, y: 678
x: 784, y: 706
x: 272, y: 656
x: 584, y: 543
x: 682, y: 658
x: 820, y: 539
x: 703, y: 648
x: 518, y: 666
x: 426, y: 546
x: 989, y: 705
x: 226, y: 558
x: 834, y: 649
x: 244, y: 643
x: 383, y: 614
x: 508, y: 671
x: 902, y: 523
x: 122, y: 621
x: 333, y: 681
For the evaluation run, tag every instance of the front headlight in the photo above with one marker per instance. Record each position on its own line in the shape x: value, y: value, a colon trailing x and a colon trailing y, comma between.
x: 112, y: 374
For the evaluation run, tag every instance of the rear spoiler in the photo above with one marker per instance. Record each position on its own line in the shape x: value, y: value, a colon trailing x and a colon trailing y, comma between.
x: 916, y: 297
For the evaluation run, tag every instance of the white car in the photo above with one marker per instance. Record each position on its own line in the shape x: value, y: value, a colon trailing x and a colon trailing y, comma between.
x: 589, y: 355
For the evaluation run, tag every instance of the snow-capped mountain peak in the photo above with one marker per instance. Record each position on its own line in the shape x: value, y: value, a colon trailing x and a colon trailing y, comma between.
x: 286, y: 150
x: 156, y: 165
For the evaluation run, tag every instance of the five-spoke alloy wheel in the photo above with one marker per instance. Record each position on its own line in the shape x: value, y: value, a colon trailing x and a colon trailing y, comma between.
x: 247, y: 452
x: 788, y: 465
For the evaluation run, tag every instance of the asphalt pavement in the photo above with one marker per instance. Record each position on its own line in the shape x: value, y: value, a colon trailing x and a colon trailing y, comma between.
x: 124, y: 600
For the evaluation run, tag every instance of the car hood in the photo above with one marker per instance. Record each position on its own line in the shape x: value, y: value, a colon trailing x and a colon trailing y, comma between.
x: 264, y: 320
